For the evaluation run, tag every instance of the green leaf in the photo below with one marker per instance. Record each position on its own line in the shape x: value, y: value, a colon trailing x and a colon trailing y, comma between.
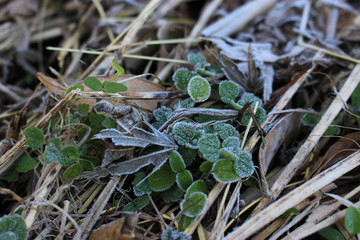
x: 93, y: 83
x: 228, y: 91
x: 136, y: 204
x: 244, y: 166
x: 184, y: 132
x: 73, y: 171
x: 194, y: 204
x: 199, y: 89
x: 232, y: 142
x: 352, y: 220
x: 162, y: 114
x: 209, y: 146
x: 66, y: 156
x: 114, y: 87
x: 109, y: 122
x: 172, y: 194
x: 14, y: 224
x: 330, y: 233
x: 162, y: 179
x: 185, y: 222
x: 225, y: 130
x: 289, y: 212
x: 182, y: 78
x: 223, y: 171
x: 206, y: 167
x: 176, y: 161
x: 228, y: 153
x: 186, y: 103
x: 187, y: 154
x: 120, y: 70
x: 140, y: 186
x: 25, y: 163
x: 260, y: 116
x: 196, y: 59
x: 184, y: 179
x: 309, y: 119
x: 76, y: 86
x: 34, y: 137
x: 96, y: 120
x: 83, y: 109
x: 197, y: 186
x: 249, y: 97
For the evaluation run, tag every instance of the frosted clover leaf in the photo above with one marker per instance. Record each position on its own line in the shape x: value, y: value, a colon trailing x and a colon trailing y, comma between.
x: 185, y: 133
x: 244, y: 166
x: 209, y: 146
x: 309, y: 119
x: 162, y: 115
x: 260, y: 116
x: 223, y: 171
x: 199, y: 89
x: 182, y: 78
x: 225, y: 130
x: 13, y: 226
x: 194, y: 204
x: 196, y: 59
x: 228, y: 91
x: 248, y: 97
x: 232, y: 142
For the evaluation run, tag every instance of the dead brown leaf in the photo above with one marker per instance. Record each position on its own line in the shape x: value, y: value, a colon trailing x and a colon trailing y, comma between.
x: 121, y: 229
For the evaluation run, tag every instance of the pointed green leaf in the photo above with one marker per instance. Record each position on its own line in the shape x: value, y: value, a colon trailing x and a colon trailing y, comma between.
x: 83, y: 109
x: 206, y: 167
x: 120, y: 70
x: 172, y: 194
x: 109, y: 122
x: 34, y: 137
x: 114, y: 87
x: 185, y: 222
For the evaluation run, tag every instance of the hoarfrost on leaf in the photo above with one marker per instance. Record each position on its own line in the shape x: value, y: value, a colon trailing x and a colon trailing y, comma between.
x: 223, y: 171
x: 244, y: 166
x: 225, y: 130
x: 199, y: 89
x: 182, y: 78
x: 209, y: 146
x: 260, y: 116
x: 194, y: 204
x: 249, y: 97
x: 228, y: 91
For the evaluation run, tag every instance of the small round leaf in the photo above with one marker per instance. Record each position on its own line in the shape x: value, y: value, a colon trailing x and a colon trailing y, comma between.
x: 182, y: 78
x: 162, y: 179
x: 223, y: 171
x: 76, y: 86
x: 83, y: 109
x: 93, y: 83
x: 197, y: 186
x: 14, y: 224
x: 114, y: 87
x: 194, y: 204
x: 141, y: 187
x: 25, y: 163
x: 34, y: 137
x: 244, y: 166
x: 199, y: 89
x: 206, y: 167
x: 228, y: 91
x: 184, y: 179
x: 176, y: 162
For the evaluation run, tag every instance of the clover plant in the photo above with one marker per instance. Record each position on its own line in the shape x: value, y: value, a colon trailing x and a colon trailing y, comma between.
x: 12, y: 227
